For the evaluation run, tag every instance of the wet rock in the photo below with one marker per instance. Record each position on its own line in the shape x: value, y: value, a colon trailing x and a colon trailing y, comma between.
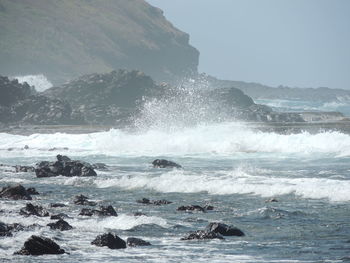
x: 57, y: 205
x: 24, y: 169
x: 224, y: 229
x: 202, y: 235
x: 109, y: 240
x: 190, y: 208
x: 161, y: 163
x: 32, y: 191
x: 83, y: 200
x: 7, y: 229
x: 100, y: 166
x: 60, y: 225
x: 33, y: 210
x: 153, y: 202
x: 64, y: 166
x: 271, y: 200
x: 17, y: 192
x: 209, y: 207
x: 136, y: 242
x: 36, y: 245
x: 139, y: 214
x: 59, y: 216
x: 104, y: 211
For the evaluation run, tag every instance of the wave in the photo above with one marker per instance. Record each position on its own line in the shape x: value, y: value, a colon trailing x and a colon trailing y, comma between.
x: 40, y: 82
x: 215, y: 139
x: 237, y: 181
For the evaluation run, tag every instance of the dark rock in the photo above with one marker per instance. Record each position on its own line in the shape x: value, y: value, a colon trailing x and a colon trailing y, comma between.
x: 161, y: 163
x: 83, y: 200
x: 224, y: 229
x: 59, y: 216
x: 136, y: 242
x: 271, y: 200
x: 65, y: 167
x: 36, y: 245
x: 202, y: 234
x: 24, y: 169
x: 15, y: 192
x: 7, y: 229
x: 104, y: 211
x: 57, y: 205
x: 60, y: 225
x: 153, y: 202
x: 32, y: 191
x: 109, y: 240
x: 33, y: 210
x: 190, y: 208
x: 209, y: 207
x: 139, y: 214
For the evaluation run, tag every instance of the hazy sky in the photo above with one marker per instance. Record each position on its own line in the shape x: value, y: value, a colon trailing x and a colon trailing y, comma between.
x: 304, y: 43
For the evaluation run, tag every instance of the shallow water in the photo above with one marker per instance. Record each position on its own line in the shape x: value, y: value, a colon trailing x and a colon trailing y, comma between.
x: 226, y: 165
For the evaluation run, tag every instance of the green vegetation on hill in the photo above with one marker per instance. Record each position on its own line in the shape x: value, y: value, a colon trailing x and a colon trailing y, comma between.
x: 67, y: 38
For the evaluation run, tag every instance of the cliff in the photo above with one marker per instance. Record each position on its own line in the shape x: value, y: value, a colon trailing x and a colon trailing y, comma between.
x: 65, y: 39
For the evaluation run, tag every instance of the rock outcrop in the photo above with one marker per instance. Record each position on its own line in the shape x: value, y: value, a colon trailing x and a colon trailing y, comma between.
x: 136, y: 242
x: 33, y: 210
x: 20, y: 104
x: 60, y: 225
x: 224, y: 229
x: 161, y: 163
x: 202, y: 235
x: 64, y: 166
x: 153, y: 202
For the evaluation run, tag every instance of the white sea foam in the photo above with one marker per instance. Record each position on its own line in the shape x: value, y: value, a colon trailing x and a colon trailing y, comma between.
x: 218, y: 139
x: 40, y: 82
x: 238, y: 181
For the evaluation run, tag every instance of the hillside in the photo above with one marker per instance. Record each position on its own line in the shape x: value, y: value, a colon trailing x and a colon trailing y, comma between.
x: 65, y: 39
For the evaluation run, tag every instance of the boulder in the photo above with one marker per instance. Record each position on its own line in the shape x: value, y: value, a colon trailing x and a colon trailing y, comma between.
x: 136, y: 242
x: 161, y: 163
x: 153, y: 202
x: 17, y: 192
x: 83, y: 200
x: 64, y: 167
x: 104, y: 211
x: 37, y: 245
x: 202, y: 235
x: 33, y: 210
x: 109, y: 240
x: 224, y: 229
x: 60, y: 225
x: 100, y: 166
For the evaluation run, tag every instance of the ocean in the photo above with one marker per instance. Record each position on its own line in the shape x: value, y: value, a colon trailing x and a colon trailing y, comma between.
x: 229, y: 165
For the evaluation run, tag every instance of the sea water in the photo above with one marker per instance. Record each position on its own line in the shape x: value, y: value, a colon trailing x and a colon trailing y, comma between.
x: 227, y: 165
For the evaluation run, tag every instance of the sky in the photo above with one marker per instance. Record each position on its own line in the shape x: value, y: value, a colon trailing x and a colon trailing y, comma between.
x: 296, y: 43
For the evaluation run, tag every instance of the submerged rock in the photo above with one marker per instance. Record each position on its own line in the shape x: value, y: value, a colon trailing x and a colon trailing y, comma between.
x: 32, y: 191
x: 59, y: 216
x: 17, y: 192
x: 190, y: 208
x: 36, y: 245
x: 224, y: 229
x: 33, y: 210
x: 24, y: 169
x: 83, y: 200
x: 104, y: 211
x: 161, y: 163
x: 60, y: 225
x: 136, y: 242
x: 57, y: 205
x: 109, y: 240
x: 153, y: 202
x: 202, y: 235
x: 7, y: 229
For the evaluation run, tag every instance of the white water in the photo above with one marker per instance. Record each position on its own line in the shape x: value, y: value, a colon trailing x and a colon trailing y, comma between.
x: 40, y: 82
x: 216, y: 139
